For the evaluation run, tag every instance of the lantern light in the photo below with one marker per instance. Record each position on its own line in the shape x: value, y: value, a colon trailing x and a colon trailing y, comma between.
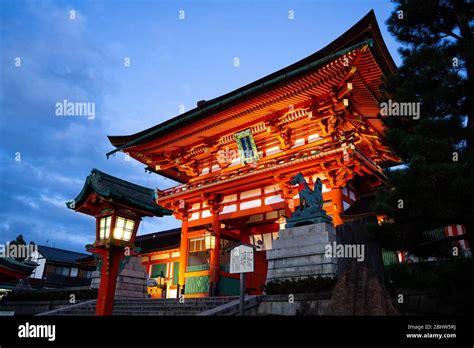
x: 123, y: 230
x: 104, y: 227
x: 210, y: 241
x: 281, y: 222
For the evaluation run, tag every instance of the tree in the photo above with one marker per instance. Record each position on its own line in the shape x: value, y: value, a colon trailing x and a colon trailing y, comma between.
x: 19, y: 240
x: 435, y: 187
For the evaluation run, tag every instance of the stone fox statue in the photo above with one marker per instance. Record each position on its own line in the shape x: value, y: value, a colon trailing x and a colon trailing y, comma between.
x: 309, y: 199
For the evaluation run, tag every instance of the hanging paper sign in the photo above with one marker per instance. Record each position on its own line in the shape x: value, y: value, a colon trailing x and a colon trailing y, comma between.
x: 247, y: 149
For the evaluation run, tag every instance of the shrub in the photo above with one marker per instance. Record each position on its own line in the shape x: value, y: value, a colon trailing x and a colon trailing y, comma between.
x: 298, y: 286
x: 450, y: 281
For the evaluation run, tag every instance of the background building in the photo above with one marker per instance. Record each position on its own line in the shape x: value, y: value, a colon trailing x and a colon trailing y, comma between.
x: 59, y: 268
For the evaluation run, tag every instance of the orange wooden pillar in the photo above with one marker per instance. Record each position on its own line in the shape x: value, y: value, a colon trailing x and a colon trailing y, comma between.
x: 183, y: 256
x: 215, y: 261
x: 108, y: 280
x: 289, y: 207
x: 148, y: 267
x: 338, y: 206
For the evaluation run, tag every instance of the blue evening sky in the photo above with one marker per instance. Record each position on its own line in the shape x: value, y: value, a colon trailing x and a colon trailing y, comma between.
x: 45, y: 158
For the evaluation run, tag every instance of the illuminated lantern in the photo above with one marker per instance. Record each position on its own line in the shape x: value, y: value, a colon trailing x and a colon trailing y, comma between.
x: 118, y: 207
x: 210, y: 241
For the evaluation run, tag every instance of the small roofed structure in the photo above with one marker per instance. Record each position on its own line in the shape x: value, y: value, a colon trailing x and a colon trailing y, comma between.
x: 118, y: 207
x: 102, y: 190
x: 12, y: 271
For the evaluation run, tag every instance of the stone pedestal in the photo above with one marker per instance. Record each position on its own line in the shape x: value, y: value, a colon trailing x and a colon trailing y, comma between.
x: 299, y: 253
x: 308, y: 216
x: 95, y: 282
x: 131, y: 282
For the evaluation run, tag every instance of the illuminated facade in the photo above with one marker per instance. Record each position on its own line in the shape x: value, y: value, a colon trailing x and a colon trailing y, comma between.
x: 234, y: 155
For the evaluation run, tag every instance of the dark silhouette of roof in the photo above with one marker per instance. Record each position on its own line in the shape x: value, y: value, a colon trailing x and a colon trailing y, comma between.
x: 361, y: 207
x: 157, y: 241
x: 60, y: 255
x: 11, y: 264
x: 106, y: 185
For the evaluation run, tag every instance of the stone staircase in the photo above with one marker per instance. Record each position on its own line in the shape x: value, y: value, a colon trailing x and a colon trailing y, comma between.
x: 152, y: 307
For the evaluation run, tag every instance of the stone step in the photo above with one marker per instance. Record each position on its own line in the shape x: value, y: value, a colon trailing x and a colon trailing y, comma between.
x: 184, y: 305
x: 156, y: 307
x: 156, y: 313
x: 134, y: 307
x: 142, y: 311
x: 172, y: 302
x: 197, y: 299
x: 166, y: 306
x: 77, y: 313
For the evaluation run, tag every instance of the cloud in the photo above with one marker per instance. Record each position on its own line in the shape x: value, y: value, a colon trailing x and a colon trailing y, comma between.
x: 44, y: 159
x: 173, y: 62
x: 55, y: 200
x: 60, y: 59
x: 26, y: 200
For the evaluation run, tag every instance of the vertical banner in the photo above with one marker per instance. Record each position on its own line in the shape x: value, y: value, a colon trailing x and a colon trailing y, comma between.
x: 247, y: 149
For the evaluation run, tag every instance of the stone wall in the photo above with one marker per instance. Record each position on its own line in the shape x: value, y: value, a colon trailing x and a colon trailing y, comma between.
x: 300, y: 304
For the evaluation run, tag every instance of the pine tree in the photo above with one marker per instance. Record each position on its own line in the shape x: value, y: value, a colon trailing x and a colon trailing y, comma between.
x: 435, y: 186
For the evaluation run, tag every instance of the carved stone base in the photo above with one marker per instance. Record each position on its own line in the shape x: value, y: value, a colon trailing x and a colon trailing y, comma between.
x: 299, y: 252
x: 307, y: 217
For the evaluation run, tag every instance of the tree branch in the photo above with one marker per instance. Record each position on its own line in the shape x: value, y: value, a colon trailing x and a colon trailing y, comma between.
x: 448, y: 32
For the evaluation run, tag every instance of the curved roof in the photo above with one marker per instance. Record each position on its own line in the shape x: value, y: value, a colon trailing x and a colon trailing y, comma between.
x: 121, y: 191
x: 158, y: 241
x: 365, y: 30
x: 12, y: 265
x: 60, y: 255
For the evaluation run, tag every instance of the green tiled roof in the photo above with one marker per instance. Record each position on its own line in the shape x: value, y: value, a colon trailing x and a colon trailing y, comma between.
x: 122, y: 191
x: 17, y: 266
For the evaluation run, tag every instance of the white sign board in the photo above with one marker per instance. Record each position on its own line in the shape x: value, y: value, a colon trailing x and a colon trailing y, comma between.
x: 241, y: 259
